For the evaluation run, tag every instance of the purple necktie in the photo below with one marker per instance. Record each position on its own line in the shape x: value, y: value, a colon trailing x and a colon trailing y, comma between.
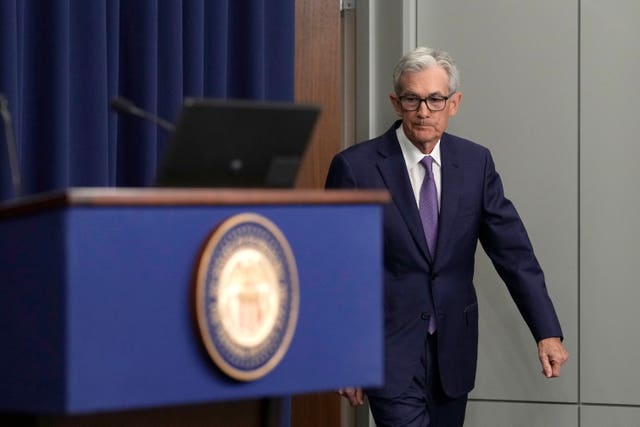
x: 428, y: 206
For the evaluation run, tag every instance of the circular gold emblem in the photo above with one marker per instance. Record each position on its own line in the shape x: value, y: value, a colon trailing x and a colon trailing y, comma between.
x: 247, y: 296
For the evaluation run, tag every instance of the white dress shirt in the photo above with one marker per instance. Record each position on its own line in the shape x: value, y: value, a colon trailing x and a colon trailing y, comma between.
x: 412, y: 157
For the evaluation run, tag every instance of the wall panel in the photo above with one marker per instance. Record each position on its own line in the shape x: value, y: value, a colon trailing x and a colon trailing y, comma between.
x: 610, y: 202
x: 503, y: 414
x: 610, y: 416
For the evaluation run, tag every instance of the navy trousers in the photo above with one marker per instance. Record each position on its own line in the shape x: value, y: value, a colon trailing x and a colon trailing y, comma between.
x: 423, y: 403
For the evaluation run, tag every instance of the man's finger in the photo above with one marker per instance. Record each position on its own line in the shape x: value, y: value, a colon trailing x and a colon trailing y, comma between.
x: 354, y: 395
x: 555, y: 368
x: 547, y: 371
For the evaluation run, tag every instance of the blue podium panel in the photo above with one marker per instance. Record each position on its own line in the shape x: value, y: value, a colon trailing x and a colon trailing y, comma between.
x: 96, y: 305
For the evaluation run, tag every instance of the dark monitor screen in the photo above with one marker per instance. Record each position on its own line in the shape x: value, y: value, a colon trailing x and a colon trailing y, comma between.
x: 232, y: 143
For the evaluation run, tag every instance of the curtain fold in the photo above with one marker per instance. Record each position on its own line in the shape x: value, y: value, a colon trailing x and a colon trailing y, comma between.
x: 62, y: 60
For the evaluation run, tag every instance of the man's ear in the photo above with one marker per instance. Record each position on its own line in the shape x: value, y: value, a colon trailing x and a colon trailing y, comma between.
x: 396, y: 104
x: 454, y: 103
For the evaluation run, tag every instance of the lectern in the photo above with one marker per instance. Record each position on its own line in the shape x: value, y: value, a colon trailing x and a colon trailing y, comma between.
x: 97, y: 298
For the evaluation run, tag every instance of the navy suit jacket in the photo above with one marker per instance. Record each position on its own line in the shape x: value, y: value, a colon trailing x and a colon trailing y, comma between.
x: 473, y: 207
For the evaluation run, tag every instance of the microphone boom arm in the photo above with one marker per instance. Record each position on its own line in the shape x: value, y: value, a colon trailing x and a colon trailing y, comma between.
x: 123, y: 105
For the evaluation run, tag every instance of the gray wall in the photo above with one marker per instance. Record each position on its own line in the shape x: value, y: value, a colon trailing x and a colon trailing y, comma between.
x: 551, y: 87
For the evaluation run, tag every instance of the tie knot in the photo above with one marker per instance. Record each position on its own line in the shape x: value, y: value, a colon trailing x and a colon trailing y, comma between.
x: 427, y: 161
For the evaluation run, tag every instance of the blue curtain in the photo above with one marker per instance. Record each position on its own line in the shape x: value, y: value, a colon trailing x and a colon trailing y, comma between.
x: 61, y: 61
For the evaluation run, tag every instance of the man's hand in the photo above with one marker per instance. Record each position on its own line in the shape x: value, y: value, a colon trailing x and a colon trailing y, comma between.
x: 354, y: 395
x: 552, y: 356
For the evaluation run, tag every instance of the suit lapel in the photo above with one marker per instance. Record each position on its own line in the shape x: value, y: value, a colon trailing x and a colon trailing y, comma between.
x: 451, y: 184
x: 393, y: 169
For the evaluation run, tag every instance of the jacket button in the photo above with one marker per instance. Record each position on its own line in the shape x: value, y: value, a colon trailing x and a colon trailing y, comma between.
x: 424, y: 316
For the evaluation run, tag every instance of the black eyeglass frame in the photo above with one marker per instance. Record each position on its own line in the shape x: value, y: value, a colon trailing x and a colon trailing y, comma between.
x: 426, y: 102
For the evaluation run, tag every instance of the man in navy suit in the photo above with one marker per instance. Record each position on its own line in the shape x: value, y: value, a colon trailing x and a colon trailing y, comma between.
x: 430, y: 306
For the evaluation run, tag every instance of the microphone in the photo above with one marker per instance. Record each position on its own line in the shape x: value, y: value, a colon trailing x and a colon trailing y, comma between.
x: 12, y: 147
x: 123, y: 105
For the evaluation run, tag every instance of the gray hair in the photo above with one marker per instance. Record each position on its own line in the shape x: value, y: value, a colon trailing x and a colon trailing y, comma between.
x: 424, y: 58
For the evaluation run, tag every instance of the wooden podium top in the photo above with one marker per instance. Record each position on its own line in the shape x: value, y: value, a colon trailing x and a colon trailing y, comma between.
x: 186, y: 197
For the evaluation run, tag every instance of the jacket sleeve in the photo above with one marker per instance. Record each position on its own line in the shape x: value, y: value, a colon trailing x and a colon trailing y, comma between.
x: 505, y: 240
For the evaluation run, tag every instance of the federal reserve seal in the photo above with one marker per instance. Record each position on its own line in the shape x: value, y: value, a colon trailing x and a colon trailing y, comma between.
x: 247, y: 296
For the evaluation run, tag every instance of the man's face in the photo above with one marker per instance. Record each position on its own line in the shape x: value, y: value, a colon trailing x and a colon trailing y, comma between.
x: 424, y: 127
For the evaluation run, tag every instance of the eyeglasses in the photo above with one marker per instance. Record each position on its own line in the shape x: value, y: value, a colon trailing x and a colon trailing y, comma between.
x: 433, y: 103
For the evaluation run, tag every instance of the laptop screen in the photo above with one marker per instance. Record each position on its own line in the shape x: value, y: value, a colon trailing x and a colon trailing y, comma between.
x: 233, y: 143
